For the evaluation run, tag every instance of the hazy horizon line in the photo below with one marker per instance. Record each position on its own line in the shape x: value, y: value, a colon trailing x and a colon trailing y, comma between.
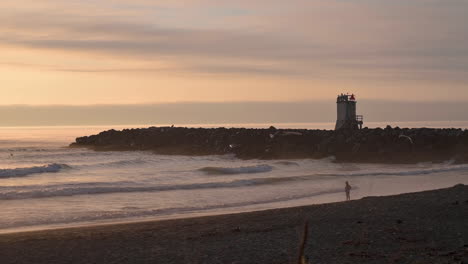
x: 233, y: 102
x: 319, y: 111
x: 213, y: 124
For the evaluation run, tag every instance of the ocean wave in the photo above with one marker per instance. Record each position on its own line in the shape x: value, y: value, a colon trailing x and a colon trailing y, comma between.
x: 66, y: 185
x: 53, y: 153
x: 237, y: 170
x: 401, y: 173
x: 71, y: 189
x: 23, y: 172
x: 9, y: 193
x: 130, y: 212
x: 32, y: 149
x: 119, y: 163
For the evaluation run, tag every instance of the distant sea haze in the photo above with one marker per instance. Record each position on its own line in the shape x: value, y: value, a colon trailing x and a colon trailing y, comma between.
x: 319, y: 113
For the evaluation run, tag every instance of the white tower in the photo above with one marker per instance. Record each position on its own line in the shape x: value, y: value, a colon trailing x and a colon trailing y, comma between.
x: 346, y: 113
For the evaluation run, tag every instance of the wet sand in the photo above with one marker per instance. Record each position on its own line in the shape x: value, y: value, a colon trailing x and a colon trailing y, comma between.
x: 425, y: 227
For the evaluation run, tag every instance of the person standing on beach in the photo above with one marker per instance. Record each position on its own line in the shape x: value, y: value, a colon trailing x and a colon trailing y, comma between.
x: 348, y: 191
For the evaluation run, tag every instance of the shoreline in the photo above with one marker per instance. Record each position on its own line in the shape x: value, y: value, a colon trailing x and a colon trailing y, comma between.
x: 324, y: 199
x: 428, y: 226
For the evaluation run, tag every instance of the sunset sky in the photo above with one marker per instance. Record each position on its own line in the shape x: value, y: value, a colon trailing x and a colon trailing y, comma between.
x: 141, y: 51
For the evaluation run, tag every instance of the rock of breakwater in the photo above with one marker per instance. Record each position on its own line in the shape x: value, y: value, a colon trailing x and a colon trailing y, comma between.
x: 389, y: 145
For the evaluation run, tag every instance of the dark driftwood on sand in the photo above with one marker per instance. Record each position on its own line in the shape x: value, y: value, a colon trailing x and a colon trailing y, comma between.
x: 427, y: 227
x: 389, y: 145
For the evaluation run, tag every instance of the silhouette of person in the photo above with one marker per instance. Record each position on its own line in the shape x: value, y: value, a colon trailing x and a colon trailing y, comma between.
x: 348, y: 191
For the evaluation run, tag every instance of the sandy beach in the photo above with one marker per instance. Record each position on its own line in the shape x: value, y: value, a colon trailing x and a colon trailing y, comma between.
x: 425, y: 227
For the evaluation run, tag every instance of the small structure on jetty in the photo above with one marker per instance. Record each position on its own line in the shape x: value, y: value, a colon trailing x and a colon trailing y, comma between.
x: 346, y: 113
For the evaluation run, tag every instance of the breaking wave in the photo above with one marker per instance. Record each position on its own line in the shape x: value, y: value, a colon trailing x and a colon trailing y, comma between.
x: 11, y: 193
x: 28, y: 192
x: 23, y: 172
x: 237, y: 170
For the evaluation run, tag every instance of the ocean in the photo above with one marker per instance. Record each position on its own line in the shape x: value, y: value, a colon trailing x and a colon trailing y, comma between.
x: 44, y: 184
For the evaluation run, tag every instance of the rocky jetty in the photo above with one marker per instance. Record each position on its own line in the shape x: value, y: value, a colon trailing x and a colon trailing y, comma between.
x: 389, y: 145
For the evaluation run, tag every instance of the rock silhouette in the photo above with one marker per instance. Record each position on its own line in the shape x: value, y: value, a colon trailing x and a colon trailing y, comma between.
x: 389, y: 145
